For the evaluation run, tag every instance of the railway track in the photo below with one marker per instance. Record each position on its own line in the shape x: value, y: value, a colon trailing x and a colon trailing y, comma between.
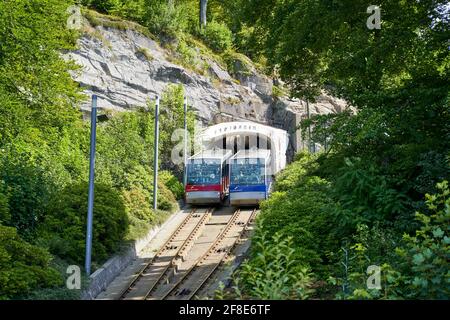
x: 186, y: 287
x: 174, y: 248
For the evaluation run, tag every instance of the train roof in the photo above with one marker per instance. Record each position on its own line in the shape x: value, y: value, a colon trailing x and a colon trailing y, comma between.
x: 212, y: 154
x: 252, y: 154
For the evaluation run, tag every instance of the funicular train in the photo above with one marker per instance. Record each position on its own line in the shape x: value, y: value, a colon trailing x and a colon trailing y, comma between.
x: 214, y: 175
x: 250, y: 177
x: 207, y: 177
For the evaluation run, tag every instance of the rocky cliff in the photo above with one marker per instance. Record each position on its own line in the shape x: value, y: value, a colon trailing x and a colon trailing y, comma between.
x: 125, y: 69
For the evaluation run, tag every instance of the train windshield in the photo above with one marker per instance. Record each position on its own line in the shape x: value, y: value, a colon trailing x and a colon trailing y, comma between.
x: 248, y: 172
x: 204, y: 172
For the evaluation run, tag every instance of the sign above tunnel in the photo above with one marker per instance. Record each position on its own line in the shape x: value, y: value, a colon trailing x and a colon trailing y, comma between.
x: 235, y: 127
x: 278, y: 139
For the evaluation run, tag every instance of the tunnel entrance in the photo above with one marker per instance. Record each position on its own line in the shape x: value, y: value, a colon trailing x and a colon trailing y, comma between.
x: 238, y: 136
x: 243, y: 142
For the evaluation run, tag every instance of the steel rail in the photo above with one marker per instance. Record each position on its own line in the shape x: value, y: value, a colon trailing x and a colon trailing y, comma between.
x: 191, y: 236
x: 218, y: 263
x: 210, y: 251
x: 139, y: 275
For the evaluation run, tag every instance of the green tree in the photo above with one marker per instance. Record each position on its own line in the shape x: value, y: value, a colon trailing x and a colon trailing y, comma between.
x: 32, y: 34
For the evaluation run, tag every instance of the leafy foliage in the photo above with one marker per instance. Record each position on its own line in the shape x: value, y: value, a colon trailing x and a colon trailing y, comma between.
x: 172, y: 183
x: 366, y: 196
x: 167, y: 21
x: 64, y: 229
x: 5, y: 215
x: 339, y: 228
x: 425, y: 255
x: 382, y: 157
x: 139, y: 211
x: 274, y: 273
x: 218, y: 37
x: 23, y: 267
x: 172, y: 118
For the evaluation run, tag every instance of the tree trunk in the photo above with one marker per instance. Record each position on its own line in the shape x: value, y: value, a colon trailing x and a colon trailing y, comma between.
x: 203, y: 8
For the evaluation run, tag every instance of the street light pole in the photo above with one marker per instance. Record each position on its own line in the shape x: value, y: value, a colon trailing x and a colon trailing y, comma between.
x: 309, y: 128
x: 91, y: 186
x: 185, y: 142
x: 155, y: 164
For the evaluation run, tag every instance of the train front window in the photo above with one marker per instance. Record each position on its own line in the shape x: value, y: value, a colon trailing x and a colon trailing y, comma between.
x: 248, y: 172
x: 203, y: 172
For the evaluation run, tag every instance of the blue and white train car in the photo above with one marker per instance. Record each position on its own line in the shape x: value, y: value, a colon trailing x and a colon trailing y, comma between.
x: 250, y: 178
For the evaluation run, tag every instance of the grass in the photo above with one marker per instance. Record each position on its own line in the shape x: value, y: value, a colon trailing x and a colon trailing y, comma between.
x: 94, y: 33
x: 232, y: 58
x: 187, y: 56
x: 191, y: 41
x: 232, y: 101
x: 146, y: 53
x: 98, y: 19
x: 140, y: 228
x: 278, y: 91
x: 216, y: 82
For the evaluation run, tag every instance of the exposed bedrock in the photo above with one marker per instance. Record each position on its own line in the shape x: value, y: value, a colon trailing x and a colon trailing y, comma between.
x: 125, y: 69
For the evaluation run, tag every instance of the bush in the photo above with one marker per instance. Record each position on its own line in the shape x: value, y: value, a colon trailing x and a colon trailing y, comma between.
x: 302, y: 213
x: 218, y: 37
x: 29, y: 189
x: 274, y: 272
x: 367, y: 196
x: 172, y: 183
x: 141, y: 216
x: 413, y: 269
x: 104, y: 6
x: 425, y: 255
x: 368, y: 246
x: 188, y: 56
x: 294, y: 174
x: 61, y: 292
x: 64, y: 229
x: 166, y: 199
x: 165, y: 21
x: 23, y: 267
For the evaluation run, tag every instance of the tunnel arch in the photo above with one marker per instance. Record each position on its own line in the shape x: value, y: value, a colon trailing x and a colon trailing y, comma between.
x: 244, y: 135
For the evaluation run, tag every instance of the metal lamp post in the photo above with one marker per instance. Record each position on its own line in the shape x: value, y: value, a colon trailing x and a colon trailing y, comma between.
x: 185, y: 142
x: 90, y: 213
x: 155, y: 164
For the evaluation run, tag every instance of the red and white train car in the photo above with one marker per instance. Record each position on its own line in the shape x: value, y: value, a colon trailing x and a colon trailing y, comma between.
x: 207, y: 178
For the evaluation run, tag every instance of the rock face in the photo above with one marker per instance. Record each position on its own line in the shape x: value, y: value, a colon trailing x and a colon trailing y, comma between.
x: 125, y: 69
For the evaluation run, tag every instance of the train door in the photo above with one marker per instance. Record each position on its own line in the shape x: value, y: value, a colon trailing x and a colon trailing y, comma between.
x: 222, y: 181
x: 266, y: 182
x: 227, y: 176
